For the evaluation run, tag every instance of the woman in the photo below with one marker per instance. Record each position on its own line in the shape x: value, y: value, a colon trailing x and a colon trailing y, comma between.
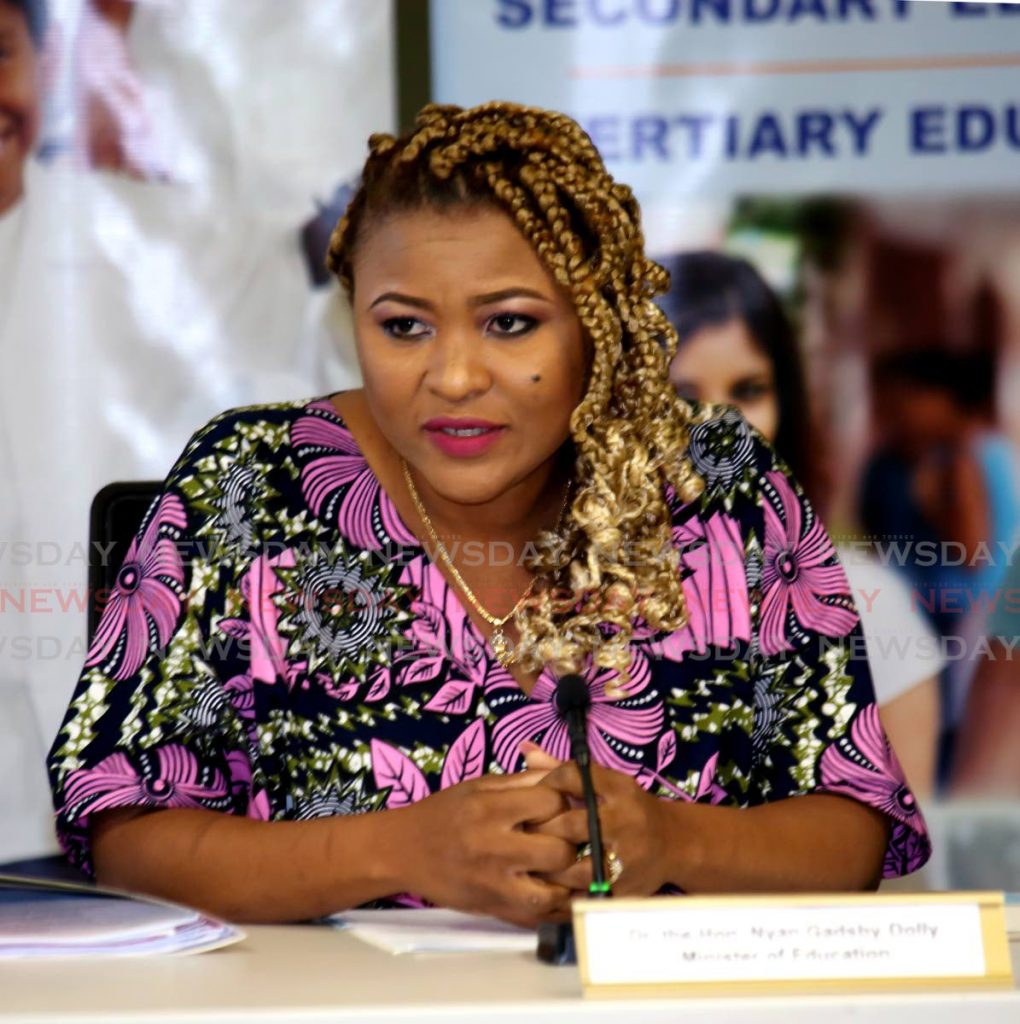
x: 384, y: 584
x: 737, y: 347
x: 986, y: 761
x: 946, y: 475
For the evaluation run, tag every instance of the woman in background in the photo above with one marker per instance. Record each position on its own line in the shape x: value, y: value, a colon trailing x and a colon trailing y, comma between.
x: 986, y: 760
x: 945, y: 474
x: 737, y: 346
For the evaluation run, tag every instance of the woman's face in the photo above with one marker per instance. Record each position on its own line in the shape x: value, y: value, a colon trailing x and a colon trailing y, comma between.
x: 723, y: 363
x: 20, y: 102
x: 473, y: 358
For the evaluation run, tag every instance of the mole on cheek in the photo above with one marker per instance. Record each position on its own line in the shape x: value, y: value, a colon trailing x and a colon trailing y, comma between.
x: 535, y: 378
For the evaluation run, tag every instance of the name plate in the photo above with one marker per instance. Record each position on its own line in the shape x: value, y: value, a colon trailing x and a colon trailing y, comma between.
x: 766, y: 943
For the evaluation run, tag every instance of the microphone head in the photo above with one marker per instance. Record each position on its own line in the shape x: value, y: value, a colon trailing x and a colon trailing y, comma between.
x: 572, y: 694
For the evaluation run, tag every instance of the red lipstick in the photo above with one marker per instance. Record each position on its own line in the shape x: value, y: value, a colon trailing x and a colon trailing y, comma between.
x: 462, y: 437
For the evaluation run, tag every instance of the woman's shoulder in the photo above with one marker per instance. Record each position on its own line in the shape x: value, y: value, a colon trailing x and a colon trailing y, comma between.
x: 262, y: 462
x: 270, y: 430
x: 297, y: 466
x: 243, y: 419
x: 735, y: 466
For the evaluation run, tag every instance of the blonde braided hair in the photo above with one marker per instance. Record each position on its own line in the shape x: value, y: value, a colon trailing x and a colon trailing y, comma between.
x: 612, y: 561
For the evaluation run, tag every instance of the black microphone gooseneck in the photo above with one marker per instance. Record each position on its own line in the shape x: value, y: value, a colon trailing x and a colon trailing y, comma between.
x: 573, y: 701
x: 556, y: 941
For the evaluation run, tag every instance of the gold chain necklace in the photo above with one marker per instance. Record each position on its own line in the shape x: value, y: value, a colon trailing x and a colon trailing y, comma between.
x: 498, y: 641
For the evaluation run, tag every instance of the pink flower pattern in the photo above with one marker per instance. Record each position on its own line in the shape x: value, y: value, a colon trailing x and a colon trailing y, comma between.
x: 338, y: 484
x: 260, y: 586
x: 800, y: 573
x: 169, y: 776
x: 863, y: 763
x: 619, y: 728
x: 145, y: 604
x: 714, y: 581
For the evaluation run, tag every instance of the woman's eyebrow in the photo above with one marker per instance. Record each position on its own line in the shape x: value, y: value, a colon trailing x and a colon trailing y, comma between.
x: 507, y: 293
x: 475, y: 300
x: 407, y: 300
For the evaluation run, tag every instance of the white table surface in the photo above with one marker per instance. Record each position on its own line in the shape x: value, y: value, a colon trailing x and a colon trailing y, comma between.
x: 312, y: 974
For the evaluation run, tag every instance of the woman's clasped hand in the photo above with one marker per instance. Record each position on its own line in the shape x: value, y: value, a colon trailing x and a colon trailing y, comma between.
x: 515, y: 846
x: 480, y: 846
x: 636, y: 829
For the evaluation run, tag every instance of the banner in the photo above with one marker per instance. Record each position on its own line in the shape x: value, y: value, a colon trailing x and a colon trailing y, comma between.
x: 864, y: 157
x: 170, y: 171
x: 726, y: 96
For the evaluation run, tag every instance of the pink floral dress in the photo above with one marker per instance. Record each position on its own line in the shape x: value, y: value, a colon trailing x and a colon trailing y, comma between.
x: 280, y: 645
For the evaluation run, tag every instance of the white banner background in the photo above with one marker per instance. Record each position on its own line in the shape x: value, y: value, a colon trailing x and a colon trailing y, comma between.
x: 152, y: 281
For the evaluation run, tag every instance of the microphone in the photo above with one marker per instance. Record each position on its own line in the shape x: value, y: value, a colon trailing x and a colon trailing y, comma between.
x: 556, y: 941
x: 573, y: 701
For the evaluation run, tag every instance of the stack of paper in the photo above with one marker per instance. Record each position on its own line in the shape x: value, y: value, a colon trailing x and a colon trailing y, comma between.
x: 434, y: 931
x: 42, y: 918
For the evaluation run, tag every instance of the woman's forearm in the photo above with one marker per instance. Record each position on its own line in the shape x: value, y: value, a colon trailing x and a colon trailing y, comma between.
x: 817, y: 842
x: 247, y: 870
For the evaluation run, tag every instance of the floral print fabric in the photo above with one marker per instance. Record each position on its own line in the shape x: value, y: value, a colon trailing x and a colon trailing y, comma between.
x: 280, y: 645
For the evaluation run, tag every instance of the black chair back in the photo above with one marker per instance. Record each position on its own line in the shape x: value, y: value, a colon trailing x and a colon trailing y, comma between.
x: 117, y: 512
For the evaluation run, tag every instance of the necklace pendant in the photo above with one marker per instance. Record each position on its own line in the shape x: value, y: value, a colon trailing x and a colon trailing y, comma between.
x: 501, y: 647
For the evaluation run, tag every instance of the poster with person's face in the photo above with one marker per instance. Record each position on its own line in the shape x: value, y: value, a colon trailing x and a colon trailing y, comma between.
x: 170, y: 172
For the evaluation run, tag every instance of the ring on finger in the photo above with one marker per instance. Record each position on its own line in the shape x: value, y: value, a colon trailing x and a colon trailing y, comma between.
x: 614, y: 866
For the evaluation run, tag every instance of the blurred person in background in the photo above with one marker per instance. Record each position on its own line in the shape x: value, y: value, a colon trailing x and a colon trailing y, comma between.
x: 737, y: 347
x: 987, y: 756
x: 944, y: 477
x: 24, y: 67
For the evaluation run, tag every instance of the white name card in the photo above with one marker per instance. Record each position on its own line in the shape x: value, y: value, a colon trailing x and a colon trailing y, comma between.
x: 691, y: 943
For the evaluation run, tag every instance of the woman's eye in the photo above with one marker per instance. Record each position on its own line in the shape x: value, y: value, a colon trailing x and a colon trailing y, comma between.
x: 512, y: 325
x: 750, y: 391
x: 404, y: 327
